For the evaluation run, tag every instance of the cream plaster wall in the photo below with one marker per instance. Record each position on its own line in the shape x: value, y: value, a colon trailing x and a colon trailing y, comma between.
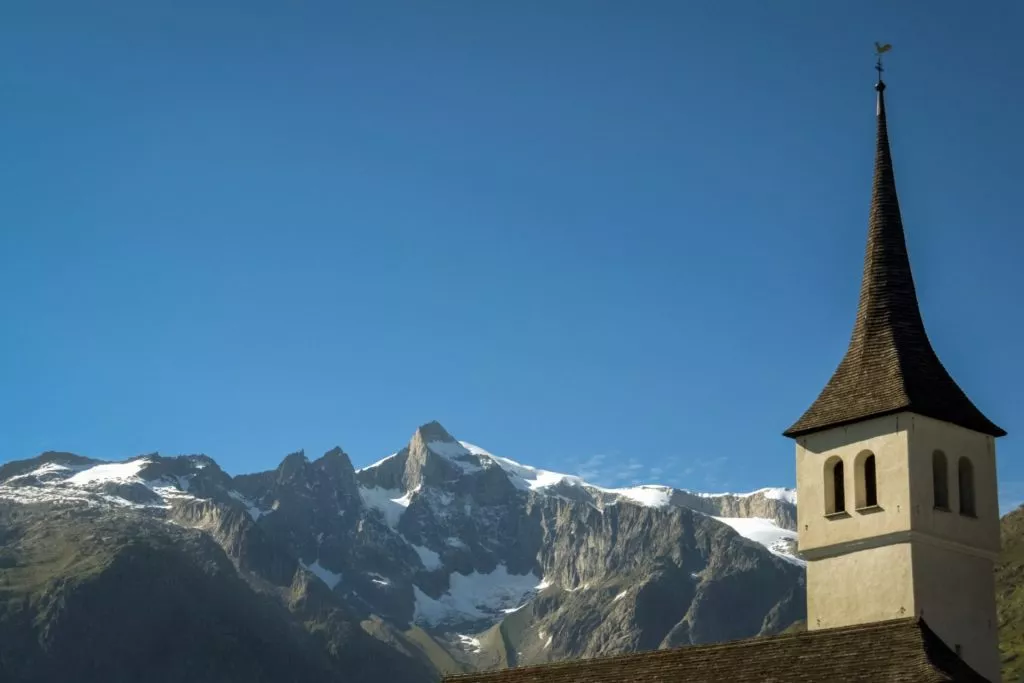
x: 887, y: 438
x: 860, y: 587
x: 903, y: 445
x: 955, y: 594
x: 925, y: 437
x: 902, y: 557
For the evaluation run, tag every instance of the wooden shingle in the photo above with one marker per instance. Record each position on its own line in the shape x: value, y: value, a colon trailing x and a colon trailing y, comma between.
x: 889, y: 651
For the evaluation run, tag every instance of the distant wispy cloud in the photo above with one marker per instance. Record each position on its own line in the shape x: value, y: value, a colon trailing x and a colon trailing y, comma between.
x: 702, y: 474
x: 605, y: 470
x: 591, y: 469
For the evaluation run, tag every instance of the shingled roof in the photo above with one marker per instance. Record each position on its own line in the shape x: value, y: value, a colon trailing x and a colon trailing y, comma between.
x: 899, y: 650
x: 890, y: 365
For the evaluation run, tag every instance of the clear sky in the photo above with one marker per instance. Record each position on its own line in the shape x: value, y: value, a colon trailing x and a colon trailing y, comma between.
x: 616, y: 238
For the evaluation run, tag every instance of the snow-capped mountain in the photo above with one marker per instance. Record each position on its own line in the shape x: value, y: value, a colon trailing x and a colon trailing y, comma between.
x: 458, y: 558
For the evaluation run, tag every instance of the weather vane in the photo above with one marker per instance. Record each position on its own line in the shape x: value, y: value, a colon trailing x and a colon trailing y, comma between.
x: 879, y: 51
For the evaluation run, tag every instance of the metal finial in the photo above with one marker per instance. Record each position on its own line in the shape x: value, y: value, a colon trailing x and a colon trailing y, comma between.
x: 880, y: 50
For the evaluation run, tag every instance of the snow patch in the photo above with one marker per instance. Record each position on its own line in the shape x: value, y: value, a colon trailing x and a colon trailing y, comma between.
x: 774, y: 493
x: 58, y: 483
x: 767, y: 533
x: 455, y: 453
x: 469, y: 642
x: 428, y: 557
x: 476, y: 596
x: 379, y: 579
x: 523, y: 477
x: 648, y: 495
x: 113, y: 471
x: 170, y: 487
x: 379, y: 462
x: 448, y: 449
x: 325, y: 575
x: 34, y: 494
x: 620, y: 596
x: 50, y: 468
x: 476, y: 450
x: 526, y: 478
x: 390, y: 502
x: 250, y: 507
x: 786, y: 495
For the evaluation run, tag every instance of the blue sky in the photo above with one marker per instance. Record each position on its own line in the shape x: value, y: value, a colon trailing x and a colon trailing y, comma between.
x: 621, y: 239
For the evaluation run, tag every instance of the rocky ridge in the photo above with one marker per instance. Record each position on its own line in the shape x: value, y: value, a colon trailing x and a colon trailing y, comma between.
x: 451, y: 557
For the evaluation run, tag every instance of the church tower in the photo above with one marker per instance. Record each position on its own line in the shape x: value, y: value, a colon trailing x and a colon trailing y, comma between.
x: 896, y: 467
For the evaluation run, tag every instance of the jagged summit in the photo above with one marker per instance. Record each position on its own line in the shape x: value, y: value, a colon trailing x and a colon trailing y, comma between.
x: 335, y: 459
x: 335, y: 453
x: 292, y: 465
x: 434, y: 431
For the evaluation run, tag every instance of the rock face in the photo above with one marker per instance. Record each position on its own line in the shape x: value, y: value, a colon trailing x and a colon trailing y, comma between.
x: 94, y: 594
x: 439, y: 558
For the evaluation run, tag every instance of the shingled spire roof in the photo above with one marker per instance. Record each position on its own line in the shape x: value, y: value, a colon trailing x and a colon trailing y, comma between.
x: 890, y: 365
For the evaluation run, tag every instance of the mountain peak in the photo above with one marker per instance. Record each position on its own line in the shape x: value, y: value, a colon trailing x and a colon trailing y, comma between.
x: 292, y: 464
x: 433, y: 431
x: 337, y: 464
x: 335, y: 452
x: 434, y: 457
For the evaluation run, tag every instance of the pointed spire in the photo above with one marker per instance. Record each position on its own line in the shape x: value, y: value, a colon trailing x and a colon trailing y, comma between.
x: 890, y: 365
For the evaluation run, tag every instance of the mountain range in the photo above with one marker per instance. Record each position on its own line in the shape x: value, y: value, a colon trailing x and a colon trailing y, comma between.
x: 439, y: 558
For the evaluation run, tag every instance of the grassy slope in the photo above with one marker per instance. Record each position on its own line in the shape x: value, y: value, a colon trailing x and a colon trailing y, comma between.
x: 94, y: 597
x: 1010, y: 596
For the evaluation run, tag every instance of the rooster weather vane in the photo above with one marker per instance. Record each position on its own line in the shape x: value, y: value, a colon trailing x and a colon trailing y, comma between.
x: 880, y: 50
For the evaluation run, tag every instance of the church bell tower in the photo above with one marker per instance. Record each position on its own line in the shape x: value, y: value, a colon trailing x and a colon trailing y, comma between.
x: 896, y: 467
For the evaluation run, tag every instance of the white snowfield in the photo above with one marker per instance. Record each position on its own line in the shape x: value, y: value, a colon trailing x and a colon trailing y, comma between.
x: 89, y: 484
x: 767, y: 533
x: 327, y: 576
x: 97, y: 484
x: 477, y: 596
x: 390, y: 502
x: 115, y: 471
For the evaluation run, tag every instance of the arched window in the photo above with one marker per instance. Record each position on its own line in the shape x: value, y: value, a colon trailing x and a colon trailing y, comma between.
x: 835, y: 487
x: 940, y: 480
x: 865, y: 481
x: 870, y: 483
x: 965, y: 477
